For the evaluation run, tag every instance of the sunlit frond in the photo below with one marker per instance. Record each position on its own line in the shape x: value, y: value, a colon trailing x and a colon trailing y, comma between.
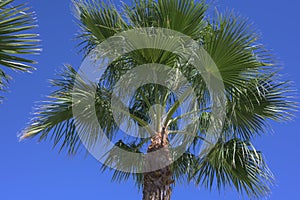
x: 255, y: 94
x: 260, y: 100
x: 235, y: 163
x: 186, y: 17
x: 16, y: 39
x: 232, y: 43
x: 54, y: 116
x: 98, y: 21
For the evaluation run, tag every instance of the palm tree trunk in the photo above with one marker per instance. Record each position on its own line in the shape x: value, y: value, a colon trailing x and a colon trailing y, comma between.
x: 157, y: 184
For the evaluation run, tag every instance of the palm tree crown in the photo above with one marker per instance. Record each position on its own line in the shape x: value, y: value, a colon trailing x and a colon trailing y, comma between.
x: 15, y: 21
x: 253, y: 90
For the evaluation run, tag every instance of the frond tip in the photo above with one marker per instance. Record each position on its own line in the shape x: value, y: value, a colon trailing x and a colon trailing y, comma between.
x: 235, y: 163
x: 248, y: 71
x: 54, y: 116
x: 15, y: 21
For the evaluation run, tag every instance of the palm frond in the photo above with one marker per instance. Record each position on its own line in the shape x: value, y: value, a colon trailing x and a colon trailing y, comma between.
x: 184, y: 167
x: 231, y: 42
x: 115, y: 159
x: 235, y: 164
x: 254, y: 93
x: 98, y: 21
x: 186, y: 17
x: 16, y: 23
x: 55, y: 116
x: 261, y: 99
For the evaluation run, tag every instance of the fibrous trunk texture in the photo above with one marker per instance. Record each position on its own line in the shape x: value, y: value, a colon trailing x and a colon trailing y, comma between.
x: 157, y: 184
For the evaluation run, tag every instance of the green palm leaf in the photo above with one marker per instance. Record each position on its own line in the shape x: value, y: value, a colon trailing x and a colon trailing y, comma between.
x: 261, y: 99
x: 235, y: 163
x: 98, y: 21
x: 16, y: 23
x: 255, y: 94
x: 55, y: 116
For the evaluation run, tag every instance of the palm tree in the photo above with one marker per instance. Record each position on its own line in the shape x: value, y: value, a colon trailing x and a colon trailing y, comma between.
x: 254, y: 96
x: 16, y: 39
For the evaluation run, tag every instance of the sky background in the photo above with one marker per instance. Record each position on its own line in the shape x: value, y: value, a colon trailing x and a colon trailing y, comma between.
x: 33, y: 171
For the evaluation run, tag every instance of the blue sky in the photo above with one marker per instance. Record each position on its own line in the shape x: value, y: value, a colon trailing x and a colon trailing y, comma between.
x: 33, y: 171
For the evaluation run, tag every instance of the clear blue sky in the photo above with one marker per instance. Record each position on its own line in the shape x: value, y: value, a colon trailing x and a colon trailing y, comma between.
x: 32, y: 171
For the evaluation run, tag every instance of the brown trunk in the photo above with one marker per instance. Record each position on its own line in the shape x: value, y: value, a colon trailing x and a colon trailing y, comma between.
x: 157, y: 184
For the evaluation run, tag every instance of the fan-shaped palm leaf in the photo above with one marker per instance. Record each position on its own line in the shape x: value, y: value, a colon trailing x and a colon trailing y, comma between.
x: 254, y: 93
x: 16, y: 23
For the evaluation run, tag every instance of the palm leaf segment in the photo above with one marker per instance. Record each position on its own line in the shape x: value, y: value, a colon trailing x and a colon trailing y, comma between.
x: 14, y: 42
x: 252, y: 87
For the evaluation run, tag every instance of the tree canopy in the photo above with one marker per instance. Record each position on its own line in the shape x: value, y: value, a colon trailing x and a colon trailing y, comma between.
x: 254, y: 91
